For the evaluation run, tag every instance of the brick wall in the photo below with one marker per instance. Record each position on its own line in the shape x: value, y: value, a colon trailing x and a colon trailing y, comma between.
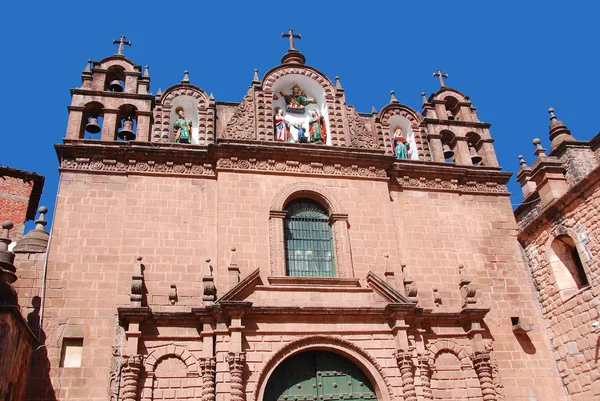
x: 14, y: 203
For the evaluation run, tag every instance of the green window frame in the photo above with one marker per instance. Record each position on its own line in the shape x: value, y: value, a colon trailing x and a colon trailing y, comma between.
x: 308, y: 240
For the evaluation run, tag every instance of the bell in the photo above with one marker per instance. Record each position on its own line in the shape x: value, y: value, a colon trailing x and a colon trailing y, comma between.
x: 115, y: 86
x: 448, y: 153
x: 92, y: 126
x: 126, y: 133
x: 475, y: 158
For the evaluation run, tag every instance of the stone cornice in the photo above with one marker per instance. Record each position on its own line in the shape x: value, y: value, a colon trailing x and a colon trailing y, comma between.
x: 276, y: 158
x: 107, y: 94
x: 458, y: 123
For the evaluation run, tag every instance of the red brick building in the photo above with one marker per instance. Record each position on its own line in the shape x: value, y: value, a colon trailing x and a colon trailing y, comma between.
x: 249, y: 265
x: 20, y: 193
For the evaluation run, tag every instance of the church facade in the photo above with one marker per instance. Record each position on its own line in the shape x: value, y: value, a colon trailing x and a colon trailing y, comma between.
x: 287, y: 247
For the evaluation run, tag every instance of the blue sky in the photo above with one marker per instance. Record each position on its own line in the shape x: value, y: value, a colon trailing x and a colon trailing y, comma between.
x: 514, y: 59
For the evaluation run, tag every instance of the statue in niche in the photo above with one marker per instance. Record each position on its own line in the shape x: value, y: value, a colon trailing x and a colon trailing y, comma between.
x: 297, y: 100
x: 182, y: 128
x: 316, y: 126
x: 400, y: 144
x: 301, y: 132
x: 282, y: 126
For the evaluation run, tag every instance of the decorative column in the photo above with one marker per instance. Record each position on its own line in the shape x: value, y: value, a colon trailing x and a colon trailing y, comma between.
x: 425, y: 375
x: 483, y: 368
x: 407, y: 372
x: 236, y: 362
x: 207, y: 367
x: 130, y: 373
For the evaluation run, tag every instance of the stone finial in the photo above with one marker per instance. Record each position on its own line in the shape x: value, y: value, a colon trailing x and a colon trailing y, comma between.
x: 5, y: 240
x: 88, y: 67
x: 390, y: 276
x: 255, y: 77
x: 36, y: 240
x: 186, y: 77
x: 146, y: 71
x: 338, y: 84
x: 173, y: 294
x: 137, y: 285
x: 539, y: 150
x: 209, y: 291
x: 467, y: 290
x: 373, y: 110
x: 41, y: 222
x: 410, y: 288
x: 233, y: 269
x: 8, y: 295
x: 424, y: 97
x: 393, y: 97
x: 522, y: 161
x: 211, y: 96
x: 159, y: 93
x: 558, y: 131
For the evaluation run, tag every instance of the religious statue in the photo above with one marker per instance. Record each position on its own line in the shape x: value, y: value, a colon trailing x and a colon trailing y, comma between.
x: 401, y: 145
x: 297, y: 100
x: 182, y: 128
x: 282, y: 126
x: 301, y: 132
x: 316, y: 126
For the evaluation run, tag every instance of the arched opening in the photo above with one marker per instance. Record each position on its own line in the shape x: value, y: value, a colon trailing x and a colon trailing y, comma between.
x: 92, y: 120
x: 401, y: 123
x: 448, y: 146
x: 304, y: 112
x: 115, y: 79
x: 452, y: 108
x: 308, y: 240
x: 126, y: 123
x: 171, y: 379
x: 318, y: 375
x: 567, y: 266
x: 453, y: 381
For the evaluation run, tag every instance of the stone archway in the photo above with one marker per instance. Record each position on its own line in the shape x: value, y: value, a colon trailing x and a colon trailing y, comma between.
x: 318, y: 375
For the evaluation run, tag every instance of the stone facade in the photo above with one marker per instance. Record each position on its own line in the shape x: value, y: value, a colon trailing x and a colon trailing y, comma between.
x: 20, y: 193
x: 565, y: 219
x: 168, y: 261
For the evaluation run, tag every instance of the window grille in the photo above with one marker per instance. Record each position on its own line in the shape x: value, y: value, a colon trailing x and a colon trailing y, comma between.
x: 308, y: 240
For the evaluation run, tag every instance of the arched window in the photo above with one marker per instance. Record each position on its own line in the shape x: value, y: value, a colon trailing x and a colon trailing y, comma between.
x: 566, y: 264
x: 308, y: 240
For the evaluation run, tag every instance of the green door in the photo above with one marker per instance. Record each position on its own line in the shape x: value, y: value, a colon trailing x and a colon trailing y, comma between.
x: 318, y: 375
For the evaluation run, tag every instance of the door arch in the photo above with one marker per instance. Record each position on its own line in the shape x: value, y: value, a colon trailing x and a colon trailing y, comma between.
x: 318, y: 376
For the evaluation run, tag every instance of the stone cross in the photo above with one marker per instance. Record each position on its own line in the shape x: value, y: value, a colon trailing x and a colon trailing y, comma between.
x: 291, y: 35
x: 121, y: 44
x: 442, y: 76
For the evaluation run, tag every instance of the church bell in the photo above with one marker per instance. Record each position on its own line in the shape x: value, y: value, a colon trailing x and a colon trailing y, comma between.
x: 475, y: 158
x: 126, y: 133
x: 448, y: 153
x: 92, y: 126
x: 115, y: 86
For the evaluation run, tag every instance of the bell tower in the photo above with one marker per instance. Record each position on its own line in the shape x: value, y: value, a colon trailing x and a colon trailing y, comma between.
x: 455, y: 133
x: 113, y: 103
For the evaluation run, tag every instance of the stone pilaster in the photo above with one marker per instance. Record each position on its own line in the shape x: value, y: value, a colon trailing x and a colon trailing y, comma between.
x: 425, y: 375
x: 130, y: 373
x: 407, y: 372
x: 483, y: 368
x: 236, y: 362
x: 207, y: 367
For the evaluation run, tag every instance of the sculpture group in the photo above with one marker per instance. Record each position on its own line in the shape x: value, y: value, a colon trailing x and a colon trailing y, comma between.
x: 295, y: 103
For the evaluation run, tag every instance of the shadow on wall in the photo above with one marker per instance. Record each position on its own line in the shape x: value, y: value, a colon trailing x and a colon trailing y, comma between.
x: 39, y: 385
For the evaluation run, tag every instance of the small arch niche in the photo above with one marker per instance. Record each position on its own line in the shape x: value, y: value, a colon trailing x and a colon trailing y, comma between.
x: 405, y: 126
x: 296, y: 119
x: 448, y: 145
x: 567, y: 266
x: 92, y: 121
x: 115, y: 79
x: 452, y: 108
x: 126, y: 123
x: 190, y: 110
x: 475, y: 145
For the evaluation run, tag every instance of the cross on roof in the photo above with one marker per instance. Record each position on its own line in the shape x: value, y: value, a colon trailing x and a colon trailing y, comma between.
x: 121, y: 44
x: 442, y: 76
x: 291, y: 35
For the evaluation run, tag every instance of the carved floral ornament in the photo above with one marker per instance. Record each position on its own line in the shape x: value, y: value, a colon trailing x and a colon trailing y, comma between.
x: 134, y: 166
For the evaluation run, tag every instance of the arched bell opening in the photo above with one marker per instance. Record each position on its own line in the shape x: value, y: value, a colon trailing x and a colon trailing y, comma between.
x: 304, y: 107
x: 318, y: 375
x: 567, y: 266
x: 115, y: 79
x: 406, y: 135
x: 92, y: 121
x: 126, y: 123
x: 452, y: 108
x: 448, y: 146
x: 475, y: 144
x: 189, y: 106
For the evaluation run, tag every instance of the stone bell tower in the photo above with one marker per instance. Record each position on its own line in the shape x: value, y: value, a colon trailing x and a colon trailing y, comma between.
x: 113, y: 100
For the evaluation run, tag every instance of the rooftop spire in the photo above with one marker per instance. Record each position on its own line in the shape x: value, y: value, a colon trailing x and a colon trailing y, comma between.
x: 558, y: 130
x: 255, y: 78
x: 539, y: 150
x: 186, y: 77
x: 338, y: 84
x: 393, y: 97
x: 122, y: 43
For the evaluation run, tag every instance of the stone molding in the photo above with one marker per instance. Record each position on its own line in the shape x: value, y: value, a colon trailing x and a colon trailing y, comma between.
x: 124, y: 165
x: 450, y: 346
x: 172, y: 350
x: 346, y: 348
x: 454, y: 185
